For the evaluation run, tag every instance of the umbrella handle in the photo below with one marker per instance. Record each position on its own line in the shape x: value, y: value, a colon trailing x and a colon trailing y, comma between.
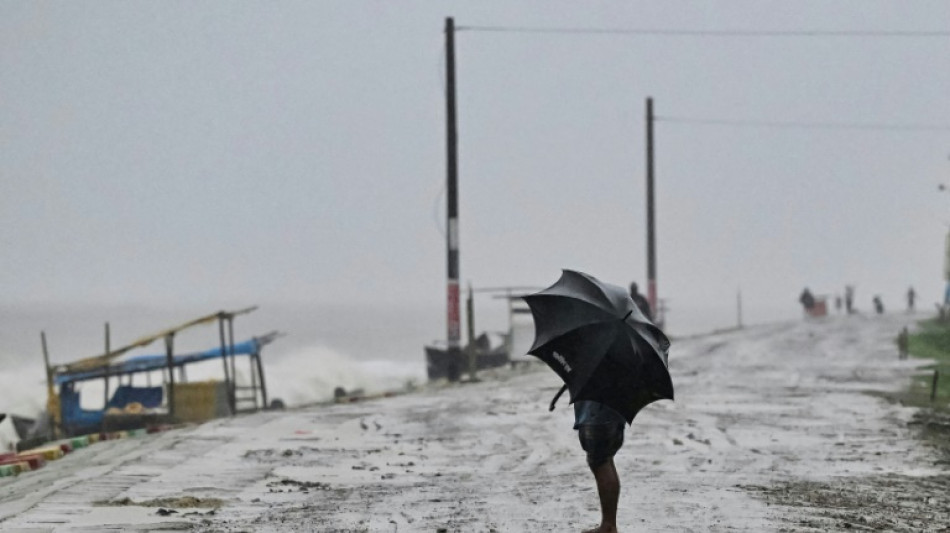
x: 556, y: 396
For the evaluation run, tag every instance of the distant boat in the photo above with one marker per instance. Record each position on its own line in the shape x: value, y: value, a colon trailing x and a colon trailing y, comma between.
x: 491, y: 350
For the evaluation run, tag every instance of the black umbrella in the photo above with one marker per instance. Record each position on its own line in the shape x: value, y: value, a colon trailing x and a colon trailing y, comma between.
x: 593, y: 335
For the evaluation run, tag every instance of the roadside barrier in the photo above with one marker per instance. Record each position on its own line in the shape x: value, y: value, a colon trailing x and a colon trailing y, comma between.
x: 14, y: 464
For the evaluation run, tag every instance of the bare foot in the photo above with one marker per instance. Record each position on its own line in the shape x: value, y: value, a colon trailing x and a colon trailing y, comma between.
x: 602, y: 529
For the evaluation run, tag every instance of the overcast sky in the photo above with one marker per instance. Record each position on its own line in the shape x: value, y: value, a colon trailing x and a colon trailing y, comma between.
x: 211, y: 153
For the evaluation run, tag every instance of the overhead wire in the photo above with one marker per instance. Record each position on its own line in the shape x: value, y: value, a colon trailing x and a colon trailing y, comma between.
x: 674, y: 32
x: 879, y: 126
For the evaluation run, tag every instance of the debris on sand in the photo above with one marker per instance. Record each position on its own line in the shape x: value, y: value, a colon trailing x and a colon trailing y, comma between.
x: 302, y: 486
x: 891, y: 502
x: 181, y: 502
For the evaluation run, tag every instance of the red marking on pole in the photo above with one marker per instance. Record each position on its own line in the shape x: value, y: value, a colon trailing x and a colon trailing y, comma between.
x: 454, y: 314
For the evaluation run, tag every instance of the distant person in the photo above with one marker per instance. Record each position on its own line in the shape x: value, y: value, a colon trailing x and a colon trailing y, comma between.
x: 837, y: 303
x: 807, y: 300
x: 878, y: 305
x: 641, y: 302
x: 849, y: 298
x: 911, y: 296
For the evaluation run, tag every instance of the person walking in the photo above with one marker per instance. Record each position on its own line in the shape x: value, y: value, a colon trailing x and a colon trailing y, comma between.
x: 849, y: 298
x: 807, y: 300
x: 600, y: 431
x: 911, y: 296
x: 878, y: 304
x: 613, y: 361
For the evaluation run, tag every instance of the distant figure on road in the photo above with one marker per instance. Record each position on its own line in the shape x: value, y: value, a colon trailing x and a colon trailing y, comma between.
x: 849, y: 298
x: 837, y: 303
x: 641, y: 302
x: 807, y: 300
x: 878, y: 305
x: 911, y: 296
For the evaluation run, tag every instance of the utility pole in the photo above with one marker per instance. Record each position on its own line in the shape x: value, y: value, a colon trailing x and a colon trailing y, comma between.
x: 651, y: 218
x: 453, y: 314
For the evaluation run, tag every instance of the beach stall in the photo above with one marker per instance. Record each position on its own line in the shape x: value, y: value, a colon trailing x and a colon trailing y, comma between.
x: 166, y: 396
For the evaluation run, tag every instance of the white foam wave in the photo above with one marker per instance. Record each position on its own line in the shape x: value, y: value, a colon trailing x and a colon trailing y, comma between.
x: 24, y: 394
x: 311, y: 374
x: 303, y: 376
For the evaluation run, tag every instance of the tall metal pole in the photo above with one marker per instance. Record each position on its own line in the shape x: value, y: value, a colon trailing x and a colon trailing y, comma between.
x: 651, y: 219
x: 452, y: 232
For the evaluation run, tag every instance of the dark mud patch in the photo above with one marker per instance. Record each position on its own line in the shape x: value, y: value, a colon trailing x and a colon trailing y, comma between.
x: 934, y: 427
x: 876, y: 503
x: 180, y: 502
x: 293, y: 484
x: 892, y: 502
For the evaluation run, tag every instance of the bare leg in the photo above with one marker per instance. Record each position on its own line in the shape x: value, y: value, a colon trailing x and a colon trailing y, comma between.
x: 608, y: 489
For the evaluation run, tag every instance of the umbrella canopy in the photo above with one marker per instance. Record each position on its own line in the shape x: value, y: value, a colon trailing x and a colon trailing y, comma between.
x: 595, y: 338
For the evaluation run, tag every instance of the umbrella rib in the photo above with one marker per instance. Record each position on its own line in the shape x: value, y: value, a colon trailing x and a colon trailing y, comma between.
x: 588, y: 303
x: 597, y: 286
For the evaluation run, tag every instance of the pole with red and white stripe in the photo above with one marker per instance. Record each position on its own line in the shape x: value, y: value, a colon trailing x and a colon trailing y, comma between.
x: 452, y: 231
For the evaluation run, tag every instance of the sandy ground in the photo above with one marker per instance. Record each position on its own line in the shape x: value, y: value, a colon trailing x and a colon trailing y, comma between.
x: 775, y: 428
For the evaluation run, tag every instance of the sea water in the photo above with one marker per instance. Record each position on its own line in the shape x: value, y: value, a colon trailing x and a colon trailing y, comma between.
x: 322, y: 347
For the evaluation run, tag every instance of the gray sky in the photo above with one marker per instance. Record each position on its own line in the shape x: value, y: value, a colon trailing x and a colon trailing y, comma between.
x: 247, y: 152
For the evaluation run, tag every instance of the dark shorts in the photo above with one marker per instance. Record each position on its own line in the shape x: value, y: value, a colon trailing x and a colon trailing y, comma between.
x: 600, y: 441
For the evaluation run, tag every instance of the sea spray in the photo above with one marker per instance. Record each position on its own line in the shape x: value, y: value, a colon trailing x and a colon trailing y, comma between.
x: 311, y: 374
x: 23, y: 394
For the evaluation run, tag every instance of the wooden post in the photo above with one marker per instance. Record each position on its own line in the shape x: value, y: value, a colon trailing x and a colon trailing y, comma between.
x: 49, y: 372
x: 933, y: 387
x: 254, y: 380
x: 233, y: 396
x: 52, y: 405
x: 260, y: 373
x: 106, y: 378
x: 472, y: 350
x: 224, y: 357
x: 170, y: 360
